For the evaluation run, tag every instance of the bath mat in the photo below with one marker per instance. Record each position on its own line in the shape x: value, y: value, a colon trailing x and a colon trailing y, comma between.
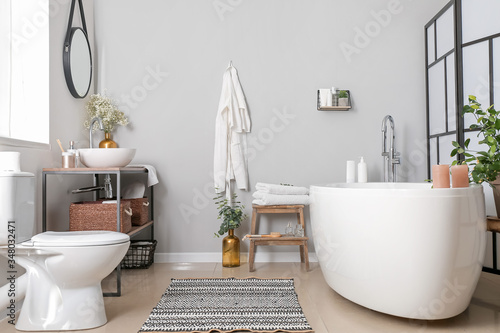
x: 227, y: 305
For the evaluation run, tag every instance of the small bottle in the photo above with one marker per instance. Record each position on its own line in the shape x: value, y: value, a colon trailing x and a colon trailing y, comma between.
x: 71, y: 148
x: 289, y: 230
x: 335, y: 96
x: 299, y: 231
x: 362, y: 171
x: 108, y: 190
x: 77, y: 159
x: 329, y: 99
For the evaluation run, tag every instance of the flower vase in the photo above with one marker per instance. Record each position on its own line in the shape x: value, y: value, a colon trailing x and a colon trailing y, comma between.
x: 231, y: 250
x: 107, y: 142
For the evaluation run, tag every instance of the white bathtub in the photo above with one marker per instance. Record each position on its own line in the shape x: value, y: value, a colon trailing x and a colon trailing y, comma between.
x: 400, y: 248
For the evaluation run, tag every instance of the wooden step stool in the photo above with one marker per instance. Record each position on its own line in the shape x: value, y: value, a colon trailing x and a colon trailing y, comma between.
x: 493, y: 225
x: 278, y: 209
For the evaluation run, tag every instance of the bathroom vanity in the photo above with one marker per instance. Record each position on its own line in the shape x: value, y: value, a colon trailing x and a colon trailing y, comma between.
x: 97, y: 173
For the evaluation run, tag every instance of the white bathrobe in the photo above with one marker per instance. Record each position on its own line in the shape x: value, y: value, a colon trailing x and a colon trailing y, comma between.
x: 232, y: 124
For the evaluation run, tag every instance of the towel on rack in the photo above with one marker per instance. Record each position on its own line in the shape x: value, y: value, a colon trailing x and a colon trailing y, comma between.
x: 152, y: 177
x: 281, y: 189
x: 266, y: 199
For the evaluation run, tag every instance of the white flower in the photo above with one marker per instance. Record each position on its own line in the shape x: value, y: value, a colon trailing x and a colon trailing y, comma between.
x: 104, y: 108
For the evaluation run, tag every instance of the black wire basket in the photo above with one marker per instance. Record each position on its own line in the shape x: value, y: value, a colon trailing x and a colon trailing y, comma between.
x: 139, y: 255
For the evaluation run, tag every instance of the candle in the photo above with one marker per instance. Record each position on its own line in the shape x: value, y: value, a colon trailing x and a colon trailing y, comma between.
x: 350, y: 172
x: 460, y: 175
x: 441, y: 176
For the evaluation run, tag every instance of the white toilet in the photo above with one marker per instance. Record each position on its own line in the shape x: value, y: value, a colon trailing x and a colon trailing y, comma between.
x: 64, y: 269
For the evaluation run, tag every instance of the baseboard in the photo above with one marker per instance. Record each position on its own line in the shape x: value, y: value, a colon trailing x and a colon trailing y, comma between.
x: 217, y: 256
x: 3, y: 314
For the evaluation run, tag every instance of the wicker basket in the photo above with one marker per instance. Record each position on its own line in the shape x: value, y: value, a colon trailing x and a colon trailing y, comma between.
x: 94, y: 215
x: 139, y: 255
x: 140, y: 210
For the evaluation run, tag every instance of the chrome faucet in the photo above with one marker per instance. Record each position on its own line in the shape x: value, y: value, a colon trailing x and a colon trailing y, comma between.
x: 389, y: 153
x: 101, y: 127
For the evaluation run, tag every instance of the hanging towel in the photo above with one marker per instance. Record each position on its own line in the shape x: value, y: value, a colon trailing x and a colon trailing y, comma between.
x: 152, y: 178
x: 231, y: 125
x: 281, y: 189
x: 267, y: 199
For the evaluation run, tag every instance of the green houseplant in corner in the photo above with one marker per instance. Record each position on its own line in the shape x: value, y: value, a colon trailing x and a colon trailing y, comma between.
x: 231, y: 213
x: 485, y: 165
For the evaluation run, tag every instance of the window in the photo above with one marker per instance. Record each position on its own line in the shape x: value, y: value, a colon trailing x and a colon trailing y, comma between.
x: 24, y: 70
x: 464, y: 66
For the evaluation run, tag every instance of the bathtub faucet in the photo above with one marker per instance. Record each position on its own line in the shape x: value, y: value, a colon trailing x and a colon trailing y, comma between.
x: 389, y: 153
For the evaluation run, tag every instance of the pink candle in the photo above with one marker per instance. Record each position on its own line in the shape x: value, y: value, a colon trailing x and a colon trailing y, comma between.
x: 441, y: 176
x: 460, y: 175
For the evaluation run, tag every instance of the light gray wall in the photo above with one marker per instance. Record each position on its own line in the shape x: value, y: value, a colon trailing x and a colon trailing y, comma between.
x: 284, y: 51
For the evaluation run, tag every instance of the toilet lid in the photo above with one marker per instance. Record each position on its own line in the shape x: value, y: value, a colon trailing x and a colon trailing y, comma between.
x: 79, y: 238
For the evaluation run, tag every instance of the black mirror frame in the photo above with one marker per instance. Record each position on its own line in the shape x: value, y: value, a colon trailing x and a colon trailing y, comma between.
x: 67, y: 50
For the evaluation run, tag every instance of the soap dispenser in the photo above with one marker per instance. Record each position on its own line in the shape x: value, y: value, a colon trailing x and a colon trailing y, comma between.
x: 362, y: 171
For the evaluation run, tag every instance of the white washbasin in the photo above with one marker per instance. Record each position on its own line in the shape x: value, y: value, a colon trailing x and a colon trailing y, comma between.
x: 106, y: 157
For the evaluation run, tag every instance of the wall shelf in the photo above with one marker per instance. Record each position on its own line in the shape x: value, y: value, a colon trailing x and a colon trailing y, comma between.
x: 336, y: 107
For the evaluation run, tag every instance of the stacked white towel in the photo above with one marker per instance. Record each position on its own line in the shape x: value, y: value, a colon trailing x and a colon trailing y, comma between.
x: 272, y: 194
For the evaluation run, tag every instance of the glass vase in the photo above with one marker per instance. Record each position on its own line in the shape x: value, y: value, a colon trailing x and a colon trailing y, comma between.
x: 289, y: 230
x: 231, y: 250
x: 107, y: 142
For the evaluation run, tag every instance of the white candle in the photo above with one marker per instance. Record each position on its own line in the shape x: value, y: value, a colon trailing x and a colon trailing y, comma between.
x: 350, y: 175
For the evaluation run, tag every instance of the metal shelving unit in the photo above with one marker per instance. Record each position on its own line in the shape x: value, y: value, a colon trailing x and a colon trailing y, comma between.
x: 96, y: 172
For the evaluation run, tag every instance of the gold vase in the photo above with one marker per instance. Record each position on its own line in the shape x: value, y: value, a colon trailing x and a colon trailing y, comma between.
x: 107, y: 142
x: 230, y: 250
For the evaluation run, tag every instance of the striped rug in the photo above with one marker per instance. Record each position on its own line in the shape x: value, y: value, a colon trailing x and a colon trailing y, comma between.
x: 227, y: 305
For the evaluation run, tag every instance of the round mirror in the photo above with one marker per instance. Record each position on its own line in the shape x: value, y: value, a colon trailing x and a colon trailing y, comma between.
x: 77, y: 61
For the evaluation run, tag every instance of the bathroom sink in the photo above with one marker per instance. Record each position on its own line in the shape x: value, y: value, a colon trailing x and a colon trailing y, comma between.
x: 106, y: 157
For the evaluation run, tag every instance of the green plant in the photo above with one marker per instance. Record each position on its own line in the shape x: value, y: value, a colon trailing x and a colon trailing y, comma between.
x: 230, y: 214
x: 485, y: 165
x: 343, y: 94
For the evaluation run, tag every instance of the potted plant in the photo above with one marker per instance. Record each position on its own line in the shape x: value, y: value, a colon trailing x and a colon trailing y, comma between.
x: 343, y: 98
x: 231, y: 214
x: 102, y: 107
x: 485, y: 165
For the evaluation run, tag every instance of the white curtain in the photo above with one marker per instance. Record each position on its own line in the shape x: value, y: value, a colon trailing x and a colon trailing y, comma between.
x: 24, y: 70
x: 5, y: 67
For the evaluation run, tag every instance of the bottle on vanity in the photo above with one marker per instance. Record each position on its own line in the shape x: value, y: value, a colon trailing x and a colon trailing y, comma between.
x: 362, y: 171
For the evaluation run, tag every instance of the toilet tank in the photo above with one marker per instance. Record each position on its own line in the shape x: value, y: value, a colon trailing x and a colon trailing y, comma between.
x: 17, y: 207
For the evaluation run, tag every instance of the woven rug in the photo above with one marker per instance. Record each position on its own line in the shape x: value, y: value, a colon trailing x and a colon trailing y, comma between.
x: 227, y: 305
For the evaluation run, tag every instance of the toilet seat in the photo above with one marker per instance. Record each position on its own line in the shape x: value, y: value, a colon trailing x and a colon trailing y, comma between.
x: 78, y: 238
